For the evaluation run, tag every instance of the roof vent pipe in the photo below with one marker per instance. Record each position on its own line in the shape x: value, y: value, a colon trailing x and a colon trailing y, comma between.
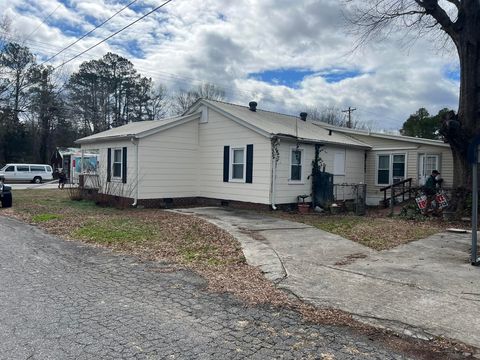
x: 303, y: 116
x: 252, y: 105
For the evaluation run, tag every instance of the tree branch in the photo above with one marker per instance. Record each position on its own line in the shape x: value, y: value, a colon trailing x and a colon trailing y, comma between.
x: 440, y: 15
x: 456, y: 3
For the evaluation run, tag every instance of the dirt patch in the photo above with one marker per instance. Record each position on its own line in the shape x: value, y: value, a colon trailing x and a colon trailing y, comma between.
x: 350, y: 259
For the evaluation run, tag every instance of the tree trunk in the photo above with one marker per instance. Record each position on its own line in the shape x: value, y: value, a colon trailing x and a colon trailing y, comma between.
x: 468, y: 47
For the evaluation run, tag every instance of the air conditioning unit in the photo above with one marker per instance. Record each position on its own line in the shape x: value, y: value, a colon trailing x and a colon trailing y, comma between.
x: 397, y: 179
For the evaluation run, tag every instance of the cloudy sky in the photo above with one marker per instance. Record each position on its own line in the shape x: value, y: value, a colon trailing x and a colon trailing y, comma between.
x: 287, y: 55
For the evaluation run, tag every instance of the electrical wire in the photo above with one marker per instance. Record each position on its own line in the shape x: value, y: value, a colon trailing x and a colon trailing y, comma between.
x: 91, y: 31
x: 43, y: 22
x: 112, y: 35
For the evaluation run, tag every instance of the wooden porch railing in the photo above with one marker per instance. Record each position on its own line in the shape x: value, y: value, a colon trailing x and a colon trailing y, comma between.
x: 404, y: 188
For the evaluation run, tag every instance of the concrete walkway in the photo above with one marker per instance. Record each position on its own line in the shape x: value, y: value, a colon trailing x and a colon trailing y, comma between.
x: 423, y: 289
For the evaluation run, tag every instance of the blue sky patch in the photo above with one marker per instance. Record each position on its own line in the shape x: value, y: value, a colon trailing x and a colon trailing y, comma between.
x: 452, y: 73
x: 68, y: 29
x: 293, y: 77
x: 287, y: 77
x: 337, y: 75
x: 132, y: 47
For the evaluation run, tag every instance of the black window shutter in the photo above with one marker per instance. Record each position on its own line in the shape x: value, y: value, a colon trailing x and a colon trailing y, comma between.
x: 109, y: 164
x: 124, y: 165
x: 226, y: 163
x: 249, y: 172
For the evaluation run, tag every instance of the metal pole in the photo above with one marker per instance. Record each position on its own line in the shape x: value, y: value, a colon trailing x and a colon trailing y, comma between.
x: 473, y: 257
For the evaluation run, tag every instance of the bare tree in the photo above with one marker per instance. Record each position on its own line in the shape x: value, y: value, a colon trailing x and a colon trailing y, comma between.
x: 333, y: 116
x: 158, y: 104
x: 183, y: 99
x: 459, y: 21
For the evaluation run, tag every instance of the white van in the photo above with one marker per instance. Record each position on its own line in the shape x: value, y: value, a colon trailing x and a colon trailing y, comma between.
x: 26, y: 172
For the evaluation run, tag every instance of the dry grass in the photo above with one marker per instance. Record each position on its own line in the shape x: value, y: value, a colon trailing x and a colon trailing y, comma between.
x: 376, y: 232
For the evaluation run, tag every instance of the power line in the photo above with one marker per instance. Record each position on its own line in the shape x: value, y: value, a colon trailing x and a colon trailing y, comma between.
x: 88, y: 33
x: 112, y: 35
x: 43, y: 21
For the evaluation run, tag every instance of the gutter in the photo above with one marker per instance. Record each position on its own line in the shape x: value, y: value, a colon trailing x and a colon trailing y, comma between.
x: 274, y: 175
x: 313, y: 141
x: 135, y: 143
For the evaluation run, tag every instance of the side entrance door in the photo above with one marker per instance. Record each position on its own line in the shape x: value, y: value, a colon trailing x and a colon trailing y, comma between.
x: 426, y: 164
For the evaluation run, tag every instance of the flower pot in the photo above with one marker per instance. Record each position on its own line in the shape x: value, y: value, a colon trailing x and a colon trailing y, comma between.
x: 303, y: 208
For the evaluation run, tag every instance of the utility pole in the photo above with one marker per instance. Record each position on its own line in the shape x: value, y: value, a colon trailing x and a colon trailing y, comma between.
x: 349, y: 111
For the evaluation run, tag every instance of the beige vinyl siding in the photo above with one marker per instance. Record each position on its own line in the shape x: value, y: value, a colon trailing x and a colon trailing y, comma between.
x: 168, y: 166
x: 412, y: 151
x: 115, y: 187
x: 287, y: 191
x: 354, y: 164
x: 218, y: 132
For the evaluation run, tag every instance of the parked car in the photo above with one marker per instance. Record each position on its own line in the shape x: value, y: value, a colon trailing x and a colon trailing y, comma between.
x: 5, y: 194
x: 27, y: 172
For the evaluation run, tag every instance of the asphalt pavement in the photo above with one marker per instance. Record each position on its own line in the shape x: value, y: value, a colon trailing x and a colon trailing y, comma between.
x: 68, y: 300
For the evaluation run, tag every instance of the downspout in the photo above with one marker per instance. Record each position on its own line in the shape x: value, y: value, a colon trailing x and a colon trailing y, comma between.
x: 275, y: 142
x: 135, y: 199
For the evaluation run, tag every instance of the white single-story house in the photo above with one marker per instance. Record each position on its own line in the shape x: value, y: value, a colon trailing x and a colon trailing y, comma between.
x: 393, y: 158
x: 222, y: 151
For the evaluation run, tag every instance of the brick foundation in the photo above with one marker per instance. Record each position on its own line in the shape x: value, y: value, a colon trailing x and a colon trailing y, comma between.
x: 169, y: 203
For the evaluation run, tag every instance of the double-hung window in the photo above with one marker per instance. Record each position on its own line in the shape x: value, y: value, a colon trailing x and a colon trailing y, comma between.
x: 428, y: 163
x: 296, y: 160
x: 390, y: 168
x: 117, y: 163
x: 238, y: 164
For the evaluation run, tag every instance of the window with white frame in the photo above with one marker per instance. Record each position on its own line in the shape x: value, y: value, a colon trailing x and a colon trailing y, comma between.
x: 390, y: 168
x: 296, y: 160
x: 398, y: 168
x: 428, y: 163
x: 117, y: 163
x: 238, y: 164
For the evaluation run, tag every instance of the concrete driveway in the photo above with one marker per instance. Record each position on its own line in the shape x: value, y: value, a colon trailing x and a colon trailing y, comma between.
x: 425, y: 289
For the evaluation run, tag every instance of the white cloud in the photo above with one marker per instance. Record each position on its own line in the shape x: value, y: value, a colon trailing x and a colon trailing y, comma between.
x: 188, y: 42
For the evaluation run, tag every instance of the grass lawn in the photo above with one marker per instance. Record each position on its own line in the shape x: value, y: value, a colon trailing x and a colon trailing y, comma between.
x: 148, y: 232
x: 376, y: 232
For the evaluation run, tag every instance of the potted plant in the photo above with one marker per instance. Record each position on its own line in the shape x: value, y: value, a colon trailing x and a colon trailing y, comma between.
x: 303, y: 207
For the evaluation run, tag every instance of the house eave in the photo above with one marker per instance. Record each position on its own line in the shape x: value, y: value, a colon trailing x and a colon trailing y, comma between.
x: 383, y: 136
x: 106, y: 138
x: 316, y: 141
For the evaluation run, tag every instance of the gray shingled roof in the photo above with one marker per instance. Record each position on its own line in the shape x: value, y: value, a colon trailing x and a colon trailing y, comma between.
x: 274, y: 123
x: 265, y: 122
